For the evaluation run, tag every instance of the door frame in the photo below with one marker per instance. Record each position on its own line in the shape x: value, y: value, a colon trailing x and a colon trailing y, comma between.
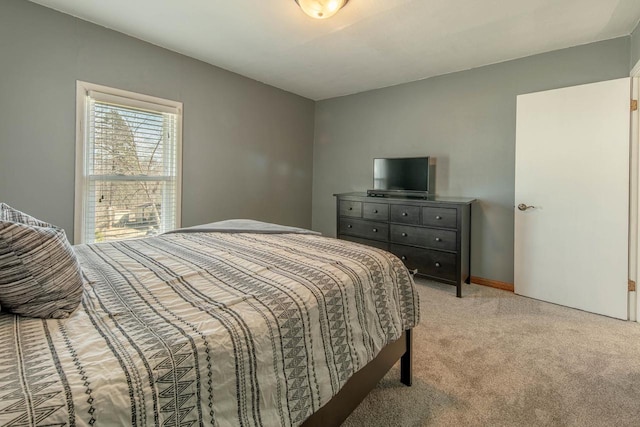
x: 634, y: 196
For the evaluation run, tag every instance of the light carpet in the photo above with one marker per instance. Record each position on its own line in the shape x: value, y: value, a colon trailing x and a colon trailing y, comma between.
x: 493, y: 358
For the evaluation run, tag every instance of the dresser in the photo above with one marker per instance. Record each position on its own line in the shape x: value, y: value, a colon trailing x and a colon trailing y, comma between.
x: 431, y: 235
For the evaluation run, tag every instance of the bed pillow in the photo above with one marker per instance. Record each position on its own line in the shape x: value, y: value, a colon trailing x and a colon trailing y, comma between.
x: 7, y: 213
x: 39, y: 272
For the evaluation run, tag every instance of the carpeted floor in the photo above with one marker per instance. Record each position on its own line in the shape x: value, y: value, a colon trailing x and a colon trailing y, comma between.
x: 496, y: 359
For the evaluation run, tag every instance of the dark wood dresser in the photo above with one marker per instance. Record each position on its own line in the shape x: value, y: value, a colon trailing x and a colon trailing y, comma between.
x: 431, y: 235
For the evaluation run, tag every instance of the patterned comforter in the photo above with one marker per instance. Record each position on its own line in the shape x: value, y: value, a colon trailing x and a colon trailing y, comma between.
x: 206, y: 329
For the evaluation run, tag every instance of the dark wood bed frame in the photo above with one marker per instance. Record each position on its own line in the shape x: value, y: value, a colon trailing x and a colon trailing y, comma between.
x: 362, y: 382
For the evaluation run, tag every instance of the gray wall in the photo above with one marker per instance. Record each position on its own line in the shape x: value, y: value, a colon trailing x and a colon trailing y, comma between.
x: 467, y: 121
x: 247, y: 146
x: 635, y: 46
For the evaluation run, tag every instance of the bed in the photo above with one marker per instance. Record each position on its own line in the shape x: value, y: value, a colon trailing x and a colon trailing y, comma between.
x: 213, y: 326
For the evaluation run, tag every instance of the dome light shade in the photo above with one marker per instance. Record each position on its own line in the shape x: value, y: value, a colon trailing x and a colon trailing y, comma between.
x: 321, y: 9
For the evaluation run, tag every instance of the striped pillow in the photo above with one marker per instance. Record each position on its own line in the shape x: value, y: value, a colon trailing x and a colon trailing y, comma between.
x: 39, y: 272
x: 7, y: 213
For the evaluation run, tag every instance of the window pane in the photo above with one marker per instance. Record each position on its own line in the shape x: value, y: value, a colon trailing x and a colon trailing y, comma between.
x: 130, y: 141
x: 127, y: 209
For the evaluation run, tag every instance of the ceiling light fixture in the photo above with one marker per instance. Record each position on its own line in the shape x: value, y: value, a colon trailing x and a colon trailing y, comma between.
x: 321, y: 9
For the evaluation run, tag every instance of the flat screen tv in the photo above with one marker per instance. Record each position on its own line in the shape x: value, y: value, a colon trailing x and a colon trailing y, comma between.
x: 408, y: 174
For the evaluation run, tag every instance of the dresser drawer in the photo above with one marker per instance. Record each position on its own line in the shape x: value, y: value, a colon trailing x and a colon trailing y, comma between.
x: 426, y: 237
x: 350, y: 208
x: 441, y: 265
x: 368, y: 242
x: 439, y: 217
x: 366, y: 229
x: 379, y: 211
x: 405, y: 214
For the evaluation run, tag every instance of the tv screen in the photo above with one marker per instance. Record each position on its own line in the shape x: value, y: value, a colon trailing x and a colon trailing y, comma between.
x: 401, y: 174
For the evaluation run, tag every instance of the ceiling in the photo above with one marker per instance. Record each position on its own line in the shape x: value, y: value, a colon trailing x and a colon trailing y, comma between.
x: 369, y: 44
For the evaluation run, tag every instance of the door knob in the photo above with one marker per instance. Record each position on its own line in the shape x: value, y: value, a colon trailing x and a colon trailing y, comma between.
x: 524, y: 207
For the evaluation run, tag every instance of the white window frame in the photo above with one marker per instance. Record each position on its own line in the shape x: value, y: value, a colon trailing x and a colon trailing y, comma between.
x: 133, y: 100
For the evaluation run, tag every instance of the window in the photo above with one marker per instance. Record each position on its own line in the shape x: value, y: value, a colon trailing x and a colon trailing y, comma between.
x: 128, y: 159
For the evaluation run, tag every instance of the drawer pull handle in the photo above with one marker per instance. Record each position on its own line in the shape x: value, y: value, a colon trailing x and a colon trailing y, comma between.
x: 438, y: 239
x: 404, y: 214
x: 404, y: 258
x: 438, y: 217
x: 350, y: 209
x: 375, y: 230
x: 375, y: 211
x: 349, y: 226
x: 404, y: 234
x: 437, y: 264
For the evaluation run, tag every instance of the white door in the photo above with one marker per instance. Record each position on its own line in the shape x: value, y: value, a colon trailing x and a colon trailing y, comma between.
x: 572, y: 169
